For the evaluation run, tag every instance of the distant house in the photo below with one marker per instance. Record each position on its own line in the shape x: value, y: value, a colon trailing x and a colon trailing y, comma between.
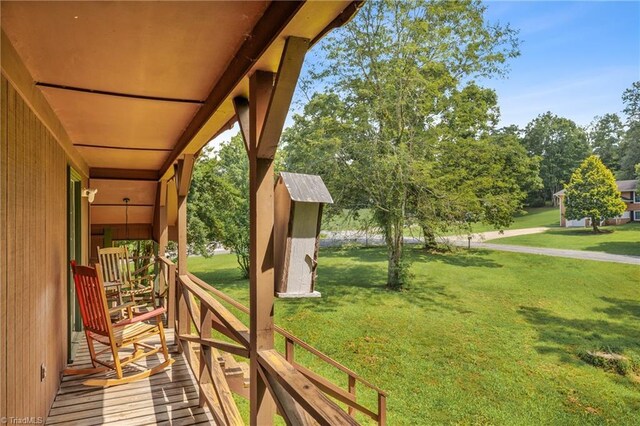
x: 630, y: 195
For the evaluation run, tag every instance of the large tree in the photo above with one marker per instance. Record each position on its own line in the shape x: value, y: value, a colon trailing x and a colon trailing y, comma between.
x: 592, y: 192
x: 396, y: 67
x: 561, y: 145
x: 630, y: 146
x: 605, y: 136
x: 218, y: 209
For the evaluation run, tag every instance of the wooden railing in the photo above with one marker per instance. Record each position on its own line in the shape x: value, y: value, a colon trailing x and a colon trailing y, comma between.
x: 299, y: 392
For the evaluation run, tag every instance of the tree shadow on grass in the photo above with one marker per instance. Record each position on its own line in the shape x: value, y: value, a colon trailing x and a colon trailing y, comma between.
x: 575, y: 232
x: 464, y: 258
x: 622, y: 309
x: 629, y: 248
x: 355, y: 280
x: 567, y: 337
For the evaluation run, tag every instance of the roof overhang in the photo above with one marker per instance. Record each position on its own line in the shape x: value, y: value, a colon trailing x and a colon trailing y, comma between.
x: 129, y: 88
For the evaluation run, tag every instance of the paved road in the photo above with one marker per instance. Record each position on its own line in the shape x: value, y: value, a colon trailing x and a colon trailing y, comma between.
x: 574, y: 254
x: 478, y: 241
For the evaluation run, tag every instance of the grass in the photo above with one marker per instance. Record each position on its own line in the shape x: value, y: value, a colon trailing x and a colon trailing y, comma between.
x: 532, y: 218
x: 481, y: 337
x: 621, y: 239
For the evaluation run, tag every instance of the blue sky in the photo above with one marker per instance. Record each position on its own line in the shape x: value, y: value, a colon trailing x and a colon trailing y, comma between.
x: 576, y: 60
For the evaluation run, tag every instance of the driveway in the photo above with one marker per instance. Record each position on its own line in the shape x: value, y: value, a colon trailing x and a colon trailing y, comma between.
x: 479, y: 241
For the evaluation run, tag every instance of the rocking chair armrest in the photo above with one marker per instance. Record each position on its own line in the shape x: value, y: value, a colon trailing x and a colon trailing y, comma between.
x: 121, y: 307
x: 146, y: 277
x: 142, y: 268
x: 143, y: 317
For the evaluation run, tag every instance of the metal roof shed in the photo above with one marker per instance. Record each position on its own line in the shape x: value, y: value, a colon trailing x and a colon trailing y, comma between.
x: 299, y: 199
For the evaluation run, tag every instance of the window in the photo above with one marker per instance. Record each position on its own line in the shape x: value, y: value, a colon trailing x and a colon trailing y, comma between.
x: 636, y: 215
x: 636, y: 198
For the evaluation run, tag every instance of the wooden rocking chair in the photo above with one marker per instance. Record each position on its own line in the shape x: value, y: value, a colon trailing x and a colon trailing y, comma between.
x: 129, y: 332
x: 116, y: 264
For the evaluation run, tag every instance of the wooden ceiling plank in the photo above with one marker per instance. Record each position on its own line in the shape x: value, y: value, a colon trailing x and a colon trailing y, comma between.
x: 117, y: 94
x: 291, y: 62
x: 17, y: 73
x: 266, y: 30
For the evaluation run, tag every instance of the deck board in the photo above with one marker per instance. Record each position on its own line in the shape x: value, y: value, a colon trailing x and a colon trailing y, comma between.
x: 169, y: 397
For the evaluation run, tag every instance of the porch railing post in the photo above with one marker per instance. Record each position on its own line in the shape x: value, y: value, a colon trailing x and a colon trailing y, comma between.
x: 382, y: 409
x: 206, y: 357
x: 183, y: 315
x: 261, y: 282
x: 352, y: 391
x: 171, y: 297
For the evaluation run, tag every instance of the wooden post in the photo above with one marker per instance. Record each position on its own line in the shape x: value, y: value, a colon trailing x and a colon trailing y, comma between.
x: 352, y: 391
x: 289, y: 349
x: 268, y: 107
x: 183, y: 314
x: 382, y: 409
x: 172, y: 301
x: 163, y: 237
x: 206, y: 356
x: 261, y: 249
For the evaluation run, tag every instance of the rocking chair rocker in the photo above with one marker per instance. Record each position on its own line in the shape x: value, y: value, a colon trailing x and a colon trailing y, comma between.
x: 129, y: 332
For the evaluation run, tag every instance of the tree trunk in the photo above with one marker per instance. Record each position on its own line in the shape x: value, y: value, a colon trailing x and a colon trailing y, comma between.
x: 396, y: 270
x: 594, y: 225
x: 430, y: 242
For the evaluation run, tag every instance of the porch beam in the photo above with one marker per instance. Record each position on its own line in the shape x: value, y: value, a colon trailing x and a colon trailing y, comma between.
x: 185, y: 171
x: 241, y: 106
x: 123, y: 174
x: 291, y: 62
x: 163, y: 228
x: 265, y: 32
x: 182, y: 229
x: 261, y: 268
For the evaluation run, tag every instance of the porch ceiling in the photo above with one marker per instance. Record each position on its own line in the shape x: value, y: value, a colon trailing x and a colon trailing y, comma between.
x: 136, y: 85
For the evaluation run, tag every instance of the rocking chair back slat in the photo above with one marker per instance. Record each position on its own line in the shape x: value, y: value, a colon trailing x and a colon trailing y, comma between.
x: 116, y: 267
x: 92, y: 299
x: 115, y: 260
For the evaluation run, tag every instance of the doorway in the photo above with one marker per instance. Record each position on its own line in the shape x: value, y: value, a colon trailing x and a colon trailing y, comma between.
x: 74, y: 250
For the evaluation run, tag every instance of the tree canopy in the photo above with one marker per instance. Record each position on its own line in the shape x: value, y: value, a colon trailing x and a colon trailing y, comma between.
x: 605, y: 136
x: 630, y: 146
x: 592, y: 192
x: 403, y: 129
x: 560, y: 144
x: 218, y: 204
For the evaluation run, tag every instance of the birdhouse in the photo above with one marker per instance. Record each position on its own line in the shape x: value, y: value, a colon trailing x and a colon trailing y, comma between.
x: 298, y: 202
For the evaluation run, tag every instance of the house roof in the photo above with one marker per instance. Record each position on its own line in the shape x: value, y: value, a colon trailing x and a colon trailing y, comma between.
x: 306, y: 188
x: 623, y: 186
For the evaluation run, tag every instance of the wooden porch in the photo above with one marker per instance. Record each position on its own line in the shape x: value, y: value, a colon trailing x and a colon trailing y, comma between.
x: 170, y: 396
x: 151, y: 83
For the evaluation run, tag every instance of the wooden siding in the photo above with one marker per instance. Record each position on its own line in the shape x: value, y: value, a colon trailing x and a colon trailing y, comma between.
x: 33, y: 247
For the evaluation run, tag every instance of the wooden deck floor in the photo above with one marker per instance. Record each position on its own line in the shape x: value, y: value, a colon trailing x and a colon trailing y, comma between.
x: 169, y: 397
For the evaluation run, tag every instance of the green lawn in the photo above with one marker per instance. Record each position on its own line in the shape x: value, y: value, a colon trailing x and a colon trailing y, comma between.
x: 534, y: 217
x: 622, y: 239
x: 481, y: 337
